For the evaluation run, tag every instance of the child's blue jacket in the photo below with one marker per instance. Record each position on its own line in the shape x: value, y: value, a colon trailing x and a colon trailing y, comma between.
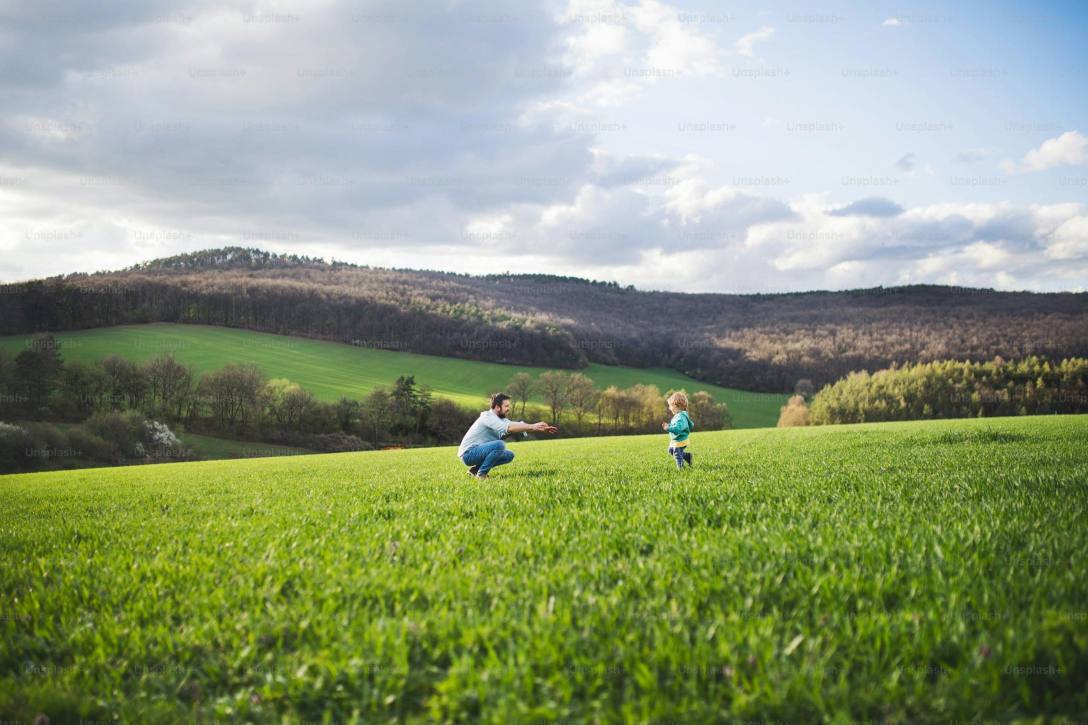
x: 680, y: 427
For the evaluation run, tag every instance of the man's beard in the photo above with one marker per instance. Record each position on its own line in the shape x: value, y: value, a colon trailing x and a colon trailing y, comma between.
x: 501, y: 414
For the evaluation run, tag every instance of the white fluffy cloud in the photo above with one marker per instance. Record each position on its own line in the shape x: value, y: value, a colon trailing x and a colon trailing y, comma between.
x: 1069, y: 149
x: 1070, y: 240
x: 974, y: 244
x: 613, y: 52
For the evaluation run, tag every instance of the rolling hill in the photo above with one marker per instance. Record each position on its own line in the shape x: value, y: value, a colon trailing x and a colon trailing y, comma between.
x: 330, y: 370
x: 763, y: 342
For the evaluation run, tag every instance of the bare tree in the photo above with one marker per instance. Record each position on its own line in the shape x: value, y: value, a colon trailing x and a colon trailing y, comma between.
x: 649, y: 405
x: 234, y: 394
x: 169, y: 385
x: 554, y: 386
x: 611, y: 405
x: 582, y: 396
x: 521, y: 388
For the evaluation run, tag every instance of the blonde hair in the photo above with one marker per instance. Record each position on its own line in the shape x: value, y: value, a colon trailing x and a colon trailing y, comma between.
x: 678, y: 399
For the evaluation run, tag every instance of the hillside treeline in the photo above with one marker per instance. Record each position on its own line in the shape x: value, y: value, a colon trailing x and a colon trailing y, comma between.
x: 119, y: 411
x: 949, y: 389
x: 116, y: 397
x: 764, y: 342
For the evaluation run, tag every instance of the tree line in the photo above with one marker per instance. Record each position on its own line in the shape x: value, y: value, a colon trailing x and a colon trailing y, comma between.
x: 127, y: 411
x: 947, y: 389
x: 573, y: 401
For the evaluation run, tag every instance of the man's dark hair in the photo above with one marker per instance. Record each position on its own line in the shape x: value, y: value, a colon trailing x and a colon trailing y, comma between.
x: 498, y: 398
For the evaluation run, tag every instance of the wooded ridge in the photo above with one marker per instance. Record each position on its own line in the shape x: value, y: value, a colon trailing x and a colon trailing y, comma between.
x: 764, y: 342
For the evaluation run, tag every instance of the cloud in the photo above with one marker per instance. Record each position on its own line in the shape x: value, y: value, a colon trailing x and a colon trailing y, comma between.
x: 1070, y: 240
x: 873, y: 206
x: 987, y: 255
x: 474, y: 138
x: 671, y: 213
x: 950, y: 243
x: 613, y: 53
x: 1069, y: 149
x: 695, y: 235
x: 892, y: 23
x: 674, y: 44
x: 745, y: 44
x: 609, y: 170
x: 344, y: 134
x: 605, y: 225
x: 907, y: 162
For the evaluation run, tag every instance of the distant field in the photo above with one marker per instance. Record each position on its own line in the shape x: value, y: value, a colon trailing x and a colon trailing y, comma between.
x: 330, y: 370
x: 213, y: 448
x: 899, y: 572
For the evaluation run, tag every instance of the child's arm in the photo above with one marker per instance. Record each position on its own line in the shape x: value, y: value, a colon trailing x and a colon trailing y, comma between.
x: 678, y: 425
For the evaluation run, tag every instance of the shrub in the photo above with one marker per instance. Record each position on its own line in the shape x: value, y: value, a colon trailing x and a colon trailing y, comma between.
x: 14, y: 443
x: 707, y: 414
x: 159, y: 442
x: 794, y: 413
x: 93, y: 447
x: 123, y: 433
x: 447, y: 421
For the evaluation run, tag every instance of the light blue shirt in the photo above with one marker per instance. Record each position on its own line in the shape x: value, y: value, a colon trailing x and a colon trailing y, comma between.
x: 488, y: 427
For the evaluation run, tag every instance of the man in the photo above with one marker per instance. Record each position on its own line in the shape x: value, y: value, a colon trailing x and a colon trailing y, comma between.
x: 482, y: 448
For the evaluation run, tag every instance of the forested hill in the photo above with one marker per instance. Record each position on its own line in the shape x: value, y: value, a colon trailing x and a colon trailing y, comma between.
x: 757, y: 342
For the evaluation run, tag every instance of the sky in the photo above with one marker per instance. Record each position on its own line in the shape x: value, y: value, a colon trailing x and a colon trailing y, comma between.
x: 689, y: 146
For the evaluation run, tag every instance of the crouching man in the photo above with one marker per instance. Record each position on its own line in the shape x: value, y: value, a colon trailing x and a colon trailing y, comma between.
x: 482, y: 447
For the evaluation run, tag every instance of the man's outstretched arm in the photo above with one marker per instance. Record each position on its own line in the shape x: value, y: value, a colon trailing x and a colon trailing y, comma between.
x: 518, y: 426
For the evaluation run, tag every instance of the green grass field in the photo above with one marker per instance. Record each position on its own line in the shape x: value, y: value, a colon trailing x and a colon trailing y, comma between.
x: 907, y: 572
x: 330, y: 370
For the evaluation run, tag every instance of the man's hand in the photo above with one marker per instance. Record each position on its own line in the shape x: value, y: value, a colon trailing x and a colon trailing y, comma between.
x: 543, y: 427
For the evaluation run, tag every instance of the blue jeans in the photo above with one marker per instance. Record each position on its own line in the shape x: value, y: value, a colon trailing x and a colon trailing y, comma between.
x: 487, y: 456
x: 681, y: 455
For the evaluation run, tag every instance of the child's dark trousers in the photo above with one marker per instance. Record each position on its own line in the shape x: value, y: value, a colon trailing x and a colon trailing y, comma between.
x: 681, y: 455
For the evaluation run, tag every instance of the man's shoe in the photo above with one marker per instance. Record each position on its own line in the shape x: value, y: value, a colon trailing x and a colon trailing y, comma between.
x: 472, y: 471
x: 481, y: 476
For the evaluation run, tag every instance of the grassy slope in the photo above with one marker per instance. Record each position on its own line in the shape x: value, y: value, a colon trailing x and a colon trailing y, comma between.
x: 330, y: 369
x: 922, y: 571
